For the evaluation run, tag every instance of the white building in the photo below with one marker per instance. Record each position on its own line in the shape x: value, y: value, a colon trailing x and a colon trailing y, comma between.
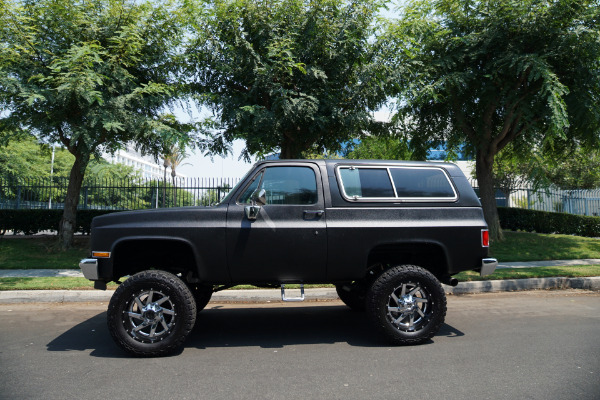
x: 146, y: 165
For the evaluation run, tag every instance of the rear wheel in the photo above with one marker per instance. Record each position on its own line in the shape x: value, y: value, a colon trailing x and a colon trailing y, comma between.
x: 202, y: 295
x: 407, y: 304
x: 151, y: 314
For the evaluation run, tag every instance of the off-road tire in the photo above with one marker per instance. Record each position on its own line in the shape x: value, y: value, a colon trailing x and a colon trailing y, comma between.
x: 151, y: 314
x: 407, y: 305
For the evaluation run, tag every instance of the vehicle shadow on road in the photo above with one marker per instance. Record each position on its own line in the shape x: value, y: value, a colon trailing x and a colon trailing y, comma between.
x: 266, y: 327
x: 278, y: 327
x: 91, y: 334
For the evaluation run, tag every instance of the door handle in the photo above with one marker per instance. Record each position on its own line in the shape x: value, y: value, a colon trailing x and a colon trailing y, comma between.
x: 315, y: 213
x: 252, y: 212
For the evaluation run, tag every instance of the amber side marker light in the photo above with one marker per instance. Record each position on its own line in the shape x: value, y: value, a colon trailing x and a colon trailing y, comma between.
x: 101, y: 254
x: 485, y: 238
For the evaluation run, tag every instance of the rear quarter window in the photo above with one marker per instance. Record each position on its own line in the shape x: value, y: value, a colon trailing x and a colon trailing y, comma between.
x: 395, y: 184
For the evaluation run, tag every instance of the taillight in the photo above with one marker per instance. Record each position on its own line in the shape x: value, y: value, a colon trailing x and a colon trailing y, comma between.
x: 485, y: 238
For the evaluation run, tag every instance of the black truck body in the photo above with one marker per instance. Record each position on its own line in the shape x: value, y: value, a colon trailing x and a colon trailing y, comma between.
x: 345, y: 222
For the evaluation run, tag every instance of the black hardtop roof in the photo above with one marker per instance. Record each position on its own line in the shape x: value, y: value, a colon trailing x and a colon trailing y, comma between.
x: 450, y: 167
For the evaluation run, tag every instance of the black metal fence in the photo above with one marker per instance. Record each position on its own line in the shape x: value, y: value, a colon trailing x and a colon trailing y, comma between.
x: 140, y: 194
x: 115, y: 195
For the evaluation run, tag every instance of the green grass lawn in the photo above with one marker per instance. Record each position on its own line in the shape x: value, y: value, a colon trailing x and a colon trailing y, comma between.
x: 522, y: 246
x: 48, y: 284
x: 41, y: 252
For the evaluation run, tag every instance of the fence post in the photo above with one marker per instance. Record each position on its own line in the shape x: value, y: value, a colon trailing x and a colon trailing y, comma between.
x: 18, y: 196
x: 156, y: 194
x: 85, y: 197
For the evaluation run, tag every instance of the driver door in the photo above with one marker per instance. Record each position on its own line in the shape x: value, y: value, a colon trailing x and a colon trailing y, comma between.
x: 287, y: 240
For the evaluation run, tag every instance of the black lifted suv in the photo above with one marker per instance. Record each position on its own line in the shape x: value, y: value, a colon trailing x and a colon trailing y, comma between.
x: 385, y: 233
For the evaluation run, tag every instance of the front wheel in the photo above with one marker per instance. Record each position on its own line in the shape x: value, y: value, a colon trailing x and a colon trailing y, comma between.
x: 151, y: 314
x: 407, y: 304
x: 352, y: 294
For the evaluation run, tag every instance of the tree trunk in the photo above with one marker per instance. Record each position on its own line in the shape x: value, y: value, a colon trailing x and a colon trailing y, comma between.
x: 292, y: 147
x: 68, y: 221
x: 483, y: 166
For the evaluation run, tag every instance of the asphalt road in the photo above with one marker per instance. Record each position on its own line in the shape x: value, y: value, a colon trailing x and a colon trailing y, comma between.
x: 525, y: 345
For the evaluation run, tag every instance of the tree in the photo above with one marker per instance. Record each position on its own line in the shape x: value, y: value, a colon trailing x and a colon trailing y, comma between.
x: 90, y: 75
x: 382, y: 148
x: 514, y: 170
x: 488, y: 73
x: 577, y: 169
x: 289, y: 75
x: 574, y: 168
x: 25, y: 159
x: 173, y: 157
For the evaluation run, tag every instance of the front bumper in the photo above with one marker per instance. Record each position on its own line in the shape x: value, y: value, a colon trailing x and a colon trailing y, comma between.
x: 89, y: 267
x: 488, y: 266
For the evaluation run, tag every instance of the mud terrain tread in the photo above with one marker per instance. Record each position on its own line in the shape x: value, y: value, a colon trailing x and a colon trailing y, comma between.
x: 380, y: 290
x: 169, y: 284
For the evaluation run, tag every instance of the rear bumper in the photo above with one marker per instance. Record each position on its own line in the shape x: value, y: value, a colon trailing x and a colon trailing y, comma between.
x: 89, y: 267
x: 488, y: 266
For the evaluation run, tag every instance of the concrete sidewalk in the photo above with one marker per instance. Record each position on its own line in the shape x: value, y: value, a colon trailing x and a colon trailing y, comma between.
x: 324, y: 294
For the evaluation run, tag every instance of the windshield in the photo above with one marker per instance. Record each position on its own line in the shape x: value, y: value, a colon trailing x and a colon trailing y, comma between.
x: 234, y: 189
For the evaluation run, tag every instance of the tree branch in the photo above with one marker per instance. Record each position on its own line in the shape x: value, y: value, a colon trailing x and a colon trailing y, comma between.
x: 65, y: 140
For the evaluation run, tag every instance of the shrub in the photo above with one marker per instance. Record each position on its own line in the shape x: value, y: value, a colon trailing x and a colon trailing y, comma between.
x: 34, y: 221
x: 548, y: 222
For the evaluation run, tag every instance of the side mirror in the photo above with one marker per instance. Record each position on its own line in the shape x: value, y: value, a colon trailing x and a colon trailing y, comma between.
x: 259, y: 197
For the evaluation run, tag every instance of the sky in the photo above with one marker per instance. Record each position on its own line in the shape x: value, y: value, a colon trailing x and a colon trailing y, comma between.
x: 200, y: 166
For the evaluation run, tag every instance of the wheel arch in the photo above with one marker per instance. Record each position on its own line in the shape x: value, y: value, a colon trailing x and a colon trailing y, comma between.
x: 135, y: 254
x: 430, y: 255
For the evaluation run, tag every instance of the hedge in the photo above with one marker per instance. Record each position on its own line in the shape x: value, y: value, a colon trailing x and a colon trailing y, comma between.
x: 34, y: 221
x: 548, y: 222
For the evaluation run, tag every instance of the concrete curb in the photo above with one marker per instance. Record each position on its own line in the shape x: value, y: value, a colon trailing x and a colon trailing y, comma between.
x: 274, y: 295
x: 510, y: 285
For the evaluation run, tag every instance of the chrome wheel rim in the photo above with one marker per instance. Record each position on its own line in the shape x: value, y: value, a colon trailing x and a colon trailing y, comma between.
x: 409, y: 307
x: 150, y: 316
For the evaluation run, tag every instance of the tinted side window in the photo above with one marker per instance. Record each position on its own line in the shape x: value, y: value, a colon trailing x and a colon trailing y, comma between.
x: 366, y: 182
x: 421, y: 182
x: 290, y: 185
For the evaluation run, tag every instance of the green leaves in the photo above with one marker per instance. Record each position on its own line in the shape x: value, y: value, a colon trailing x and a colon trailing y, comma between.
x: 91, y: 75
x: 489, y: 73
x: 288, y: 75
x: 102, y: 71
